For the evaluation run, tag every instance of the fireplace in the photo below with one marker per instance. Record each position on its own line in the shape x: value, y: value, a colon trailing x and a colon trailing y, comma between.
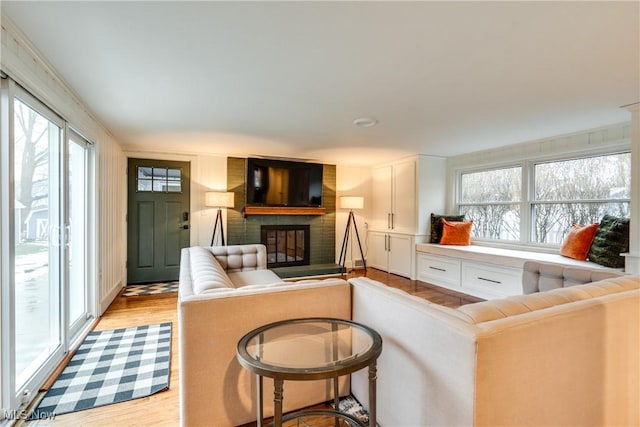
x: 287, y: 245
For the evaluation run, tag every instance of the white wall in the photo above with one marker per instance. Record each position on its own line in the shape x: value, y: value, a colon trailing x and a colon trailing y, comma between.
x: 212, y: 175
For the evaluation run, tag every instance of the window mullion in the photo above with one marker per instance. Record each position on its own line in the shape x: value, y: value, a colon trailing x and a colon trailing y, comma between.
x: 526, y: 213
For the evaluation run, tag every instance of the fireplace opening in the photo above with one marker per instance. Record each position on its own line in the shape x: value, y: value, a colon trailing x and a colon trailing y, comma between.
x: 287, y: 245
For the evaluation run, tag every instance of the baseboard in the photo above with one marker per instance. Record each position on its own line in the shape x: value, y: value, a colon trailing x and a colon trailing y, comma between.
x: 106, y: 301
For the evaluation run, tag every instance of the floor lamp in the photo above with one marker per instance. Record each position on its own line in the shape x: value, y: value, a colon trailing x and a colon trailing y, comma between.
x: 218, y: 199
x: 351, y: 203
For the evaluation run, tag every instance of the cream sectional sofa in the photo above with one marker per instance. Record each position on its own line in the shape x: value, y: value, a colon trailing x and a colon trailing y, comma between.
x: 224, y: 293
x: 566, y: 357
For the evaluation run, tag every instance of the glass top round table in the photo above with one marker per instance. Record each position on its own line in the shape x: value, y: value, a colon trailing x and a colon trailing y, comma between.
x: 309, y: 349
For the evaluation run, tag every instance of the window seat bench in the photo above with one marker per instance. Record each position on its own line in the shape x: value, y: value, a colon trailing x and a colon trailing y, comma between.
x: 483, y: 271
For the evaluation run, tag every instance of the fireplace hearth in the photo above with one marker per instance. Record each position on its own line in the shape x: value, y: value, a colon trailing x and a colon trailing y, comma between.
x: 287, y: 245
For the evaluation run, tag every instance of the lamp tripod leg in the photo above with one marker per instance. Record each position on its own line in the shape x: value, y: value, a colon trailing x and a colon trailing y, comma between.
x: 345, y: 240
x: 215, y: 227
x: 364, y: 263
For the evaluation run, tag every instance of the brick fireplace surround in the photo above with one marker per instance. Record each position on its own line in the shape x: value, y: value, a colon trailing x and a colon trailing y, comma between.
x: 246, y: 230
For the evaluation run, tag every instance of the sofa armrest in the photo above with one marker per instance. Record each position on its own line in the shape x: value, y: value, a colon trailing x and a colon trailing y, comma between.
x: 214, y: 389
x: 241, y: 257
x: 427, y: 367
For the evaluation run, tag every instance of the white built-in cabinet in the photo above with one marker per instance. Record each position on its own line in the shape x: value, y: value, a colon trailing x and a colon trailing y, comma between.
x: 405, y: 193
x: 394, y: 200
x: 480, y: 279
x: 392, y: 252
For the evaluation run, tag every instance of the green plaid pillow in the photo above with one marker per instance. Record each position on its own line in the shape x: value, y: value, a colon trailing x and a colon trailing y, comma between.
x: 612, y: 239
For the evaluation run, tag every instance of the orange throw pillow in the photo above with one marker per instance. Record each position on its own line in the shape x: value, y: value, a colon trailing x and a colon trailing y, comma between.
x: 578, y: 240
x: 456, y: 233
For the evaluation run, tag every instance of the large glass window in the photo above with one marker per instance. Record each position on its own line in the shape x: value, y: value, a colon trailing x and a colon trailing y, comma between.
x: 45, y: 217
x: 491, y: 199
x: 578, y: 191
x: 36, y: 149
x: 538, y: 201
x: 78, y: 179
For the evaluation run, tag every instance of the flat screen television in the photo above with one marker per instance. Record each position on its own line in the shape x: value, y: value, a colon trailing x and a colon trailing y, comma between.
x: 283, y: 183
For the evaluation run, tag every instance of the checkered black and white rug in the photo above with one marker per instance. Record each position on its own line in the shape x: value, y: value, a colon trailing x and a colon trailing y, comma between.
x: 149, y: 289
x: 110, y: 367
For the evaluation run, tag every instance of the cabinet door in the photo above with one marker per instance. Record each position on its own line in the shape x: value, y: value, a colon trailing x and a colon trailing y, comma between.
x: 404, y: 197
x: 381, y: 178
x: 401, y: 254
x: 377, y: 252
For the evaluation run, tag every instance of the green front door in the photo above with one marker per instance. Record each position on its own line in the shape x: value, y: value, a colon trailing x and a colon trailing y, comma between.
x: 157, y: 219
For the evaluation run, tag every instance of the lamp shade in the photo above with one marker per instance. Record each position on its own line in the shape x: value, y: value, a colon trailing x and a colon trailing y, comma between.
x: 218, y: 199
x: 352, y: 202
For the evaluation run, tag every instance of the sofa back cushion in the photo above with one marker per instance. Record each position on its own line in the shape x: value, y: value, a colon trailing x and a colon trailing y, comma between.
x: 240, y: 257
x: 540, y: 276
x: 512, y: 306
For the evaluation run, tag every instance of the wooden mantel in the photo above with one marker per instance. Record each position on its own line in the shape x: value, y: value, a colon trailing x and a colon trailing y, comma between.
x: 283, y: 210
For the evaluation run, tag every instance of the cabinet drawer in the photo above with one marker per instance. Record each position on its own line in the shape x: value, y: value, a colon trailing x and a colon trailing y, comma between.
x: 439, y: 270
x: 489, y: 281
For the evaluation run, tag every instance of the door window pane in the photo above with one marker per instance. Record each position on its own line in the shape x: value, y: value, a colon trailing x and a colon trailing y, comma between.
x: 159, y: 185
x: 145, y: 179
x: 174, y: 180
x: 161, y: 180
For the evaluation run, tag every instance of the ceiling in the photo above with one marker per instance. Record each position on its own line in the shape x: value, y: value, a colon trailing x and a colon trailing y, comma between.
x: 288, y: 79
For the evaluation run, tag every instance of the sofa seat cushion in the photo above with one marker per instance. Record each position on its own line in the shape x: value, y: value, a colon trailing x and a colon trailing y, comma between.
x: 206, y: 272
x: 254, y: 277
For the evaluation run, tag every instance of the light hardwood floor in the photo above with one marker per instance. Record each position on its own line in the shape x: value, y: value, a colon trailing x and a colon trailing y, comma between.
x: 162, y: 408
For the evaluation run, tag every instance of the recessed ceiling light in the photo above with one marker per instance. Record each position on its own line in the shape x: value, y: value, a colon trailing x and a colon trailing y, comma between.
x: 365, y: 122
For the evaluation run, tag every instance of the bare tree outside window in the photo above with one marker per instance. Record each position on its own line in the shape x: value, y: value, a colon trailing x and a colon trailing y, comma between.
x: 564, y: 192
x: 578, y: 191
x: 31, y: 169
x: 491, y: 200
